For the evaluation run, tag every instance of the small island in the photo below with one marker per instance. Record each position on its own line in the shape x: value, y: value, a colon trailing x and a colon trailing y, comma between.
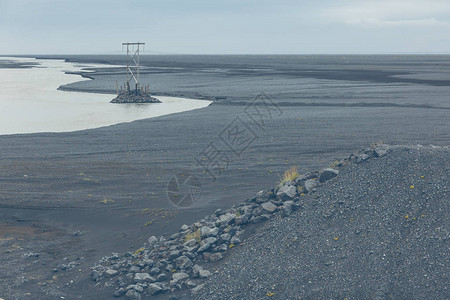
x: 136, y: 96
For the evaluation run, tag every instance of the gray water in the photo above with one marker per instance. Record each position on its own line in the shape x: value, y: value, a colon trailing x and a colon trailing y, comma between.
x: 30, y: 101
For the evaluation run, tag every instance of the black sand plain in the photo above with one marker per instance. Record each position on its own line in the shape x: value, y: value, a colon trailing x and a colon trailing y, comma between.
x: 78, y: 196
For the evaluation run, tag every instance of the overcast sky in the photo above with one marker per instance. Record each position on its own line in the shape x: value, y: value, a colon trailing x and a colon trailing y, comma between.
x: 225, y: 26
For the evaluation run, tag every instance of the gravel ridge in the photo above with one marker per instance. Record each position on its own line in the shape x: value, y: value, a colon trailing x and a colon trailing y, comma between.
x: 373, y: 226
x: 379, y: 230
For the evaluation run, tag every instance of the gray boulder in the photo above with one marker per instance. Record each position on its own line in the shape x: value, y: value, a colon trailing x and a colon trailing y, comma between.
x: 161, y: 277
x: 287, y: 192
x: 310, y: 185
x: 183, y: 263
x: 208, y: 232
x: 226, y: 219
x: 381, y: 150
x: 225, y: 237
x: 261, y: 218
x: 152, y: 241
x: 154, y: 289
x: 327, y: 174
x: 135, y: 287
x: 133, y: 295
x: 215, y: 257
x: 204, y: 273
x: 142, y: 277
x: 269, y: 206
x: 206, y: 244
x: 110, y: 273
x: 197, y: 288
x: 120, y: 292
x: 134, y: 269
x: 180, y: 276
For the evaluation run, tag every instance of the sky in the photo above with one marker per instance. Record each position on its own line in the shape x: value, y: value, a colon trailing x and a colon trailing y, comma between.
x: 225, y: 26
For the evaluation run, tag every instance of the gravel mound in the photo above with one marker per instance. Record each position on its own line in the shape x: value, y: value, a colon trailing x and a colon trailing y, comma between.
x: 378, y: 230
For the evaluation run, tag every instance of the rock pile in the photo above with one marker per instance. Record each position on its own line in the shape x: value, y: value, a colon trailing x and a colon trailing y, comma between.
x: 166, y: 264
x: 134, y: 97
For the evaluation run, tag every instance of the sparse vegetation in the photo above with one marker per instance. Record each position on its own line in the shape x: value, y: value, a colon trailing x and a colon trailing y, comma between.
x: 139, y: 251
x: 334, y: 164
x: 193, y: 235
x: 376, y: 143
x: 289, y: 175
x: 106, y: 201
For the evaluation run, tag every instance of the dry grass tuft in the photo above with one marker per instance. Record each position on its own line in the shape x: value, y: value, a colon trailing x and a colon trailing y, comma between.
x: 193, y: 235
x: 289, y: 175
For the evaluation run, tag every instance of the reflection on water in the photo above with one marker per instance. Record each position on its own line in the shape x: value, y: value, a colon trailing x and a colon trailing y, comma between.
x: 30, y: 101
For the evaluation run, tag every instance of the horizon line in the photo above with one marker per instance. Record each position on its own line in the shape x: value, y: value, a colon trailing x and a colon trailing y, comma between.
x: 34, y: 55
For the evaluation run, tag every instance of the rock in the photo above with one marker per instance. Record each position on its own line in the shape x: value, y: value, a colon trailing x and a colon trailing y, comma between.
x: 184, y: 227
x: 225, y: 237
x: 287, y: 192
x: 183, y: 262
x: 208, y: 232
x: 155, y: 271
x: 135, y: 287
x: 190, y: 243
x: 133, y: 295
x: 110, y: 273
x: 96, y: 275
x: 204, y: 273
x: 161, y: 277
x: 152, y: 241
x: 327, y: 174
x: 142, y: 277
x: 226, y: 219
x: 191, y: 284
x: 134, y: 269
x: 302, y: 178
x: 170, y: 267
x: 260, y: 197
x: 221, y: 248
x: 197, y: 288
x: 175, y: 236
x: 235, y: 240
x: 362, y: 158
x: 154, y: 289
x: 136, y: 96
x: 179, y: 276
x: 261, y: 218
x: 31, y: 254
x: 147, y: 262
x: 269, y: 206
x: 287, y: 208
x: 195, y: 270
x: 381, y: 150
x: 206, y: 244
x: 174, y: 254
x: 215, y: 257
x: 120, y: 292
x: 310, y: 185
x: 257, y: 211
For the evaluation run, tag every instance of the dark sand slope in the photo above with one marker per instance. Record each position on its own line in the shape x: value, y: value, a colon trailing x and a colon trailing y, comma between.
x: 379, y: 230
